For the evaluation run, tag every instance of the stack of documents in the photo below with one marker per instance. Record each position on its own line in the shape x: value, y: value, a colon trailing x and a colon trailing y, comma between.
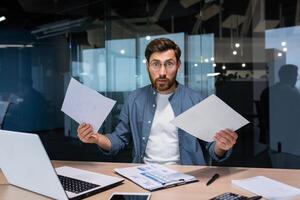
x: 154, y: 176
x: 268, y: 188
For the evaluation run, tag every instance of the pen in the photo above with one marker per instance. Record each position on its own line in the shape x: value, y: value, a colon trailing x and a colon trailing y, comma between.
x: 213, y: 178
x: 255, y: 198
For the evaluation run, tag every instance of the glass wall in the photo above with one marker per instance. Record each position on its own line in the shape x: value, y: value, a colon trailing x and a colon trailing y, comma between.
x: 234, y: 49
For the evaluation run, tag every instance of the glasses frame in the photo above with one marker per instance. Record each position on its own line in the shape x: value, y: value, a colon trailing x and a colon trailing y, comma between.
x: 168, y: 64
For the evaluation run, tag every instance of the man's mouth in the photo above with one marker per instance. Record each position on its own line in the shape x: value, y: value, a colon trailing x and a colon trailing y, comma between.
x: 161, y: 80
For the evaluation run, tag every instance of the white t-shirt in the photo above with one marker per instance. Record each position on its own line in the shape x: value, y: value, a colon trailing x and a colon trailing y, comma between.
x: 162, y: 146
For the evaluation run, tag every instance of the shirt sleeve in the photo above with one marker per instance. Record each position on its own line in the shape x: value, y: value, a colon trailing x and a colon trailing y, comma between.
x: 121, y: 136
x: 211, y: 149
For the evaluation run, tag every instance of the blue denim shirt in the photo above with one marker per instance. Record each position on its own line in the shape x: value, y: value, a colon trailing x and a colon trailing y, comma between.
x: 136, y: 120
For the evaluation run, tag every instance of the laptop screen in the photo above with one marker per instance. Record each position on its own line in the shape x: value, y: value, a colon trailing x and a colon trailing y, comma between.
x: 25, y: 163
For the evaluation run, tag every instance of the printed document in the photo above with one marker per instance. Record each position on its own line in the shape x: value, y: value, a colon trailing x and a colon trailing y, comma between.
x: 154, y: 176
x: 86, y: 105
x: 268, y: 188
x: 208, y: 117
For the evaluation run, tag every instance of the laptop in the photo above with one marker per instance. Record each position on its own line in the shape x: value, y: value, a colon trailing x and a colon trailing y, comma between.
x: 25, y: 163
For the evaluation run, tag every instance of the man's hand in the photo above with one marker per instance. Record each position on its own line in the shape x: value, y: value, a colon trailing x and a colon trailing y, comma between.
x: 86, y: 134
x: 225, y: 140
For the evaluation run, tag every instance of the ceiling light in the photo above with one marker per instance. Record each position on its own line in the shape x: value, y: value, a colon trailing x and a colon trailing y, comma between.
x: 16, y: 45
x: 214, y: 65
x: 223, y: 67
x: 195, y: 65
x: 206, y: 60
x: 144, y: 60
x: 212, y: 58
x: 243, y: 64
x: 148, y: 37
x: 234, y: 52
x: 2, y: 18
x: 213, y: 74
x: 237, y: 45
x: 279, y: 54
x: 284, y: 49
x: 283, y: 44
x: 122, y: 51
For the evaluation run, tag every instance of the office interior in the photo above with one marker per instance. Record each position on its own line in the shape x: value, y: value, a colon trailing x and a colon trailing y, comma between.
x: 231, y: 48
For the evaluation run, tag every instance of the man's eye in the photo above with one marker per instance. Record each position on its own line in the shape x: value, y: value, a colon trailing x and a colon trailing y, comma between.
x: 155, y: 64
x: 169, y: 64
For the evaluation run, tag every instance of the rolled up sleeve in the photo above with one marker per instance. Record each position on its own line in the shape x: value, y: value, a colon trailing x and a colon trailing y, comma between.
x: 211, y: 149
x: 121, y: 137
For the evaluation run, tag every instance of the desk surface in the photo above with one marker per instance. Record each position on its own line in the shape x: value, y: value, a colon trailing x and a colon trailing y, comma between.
x: 197, y: 190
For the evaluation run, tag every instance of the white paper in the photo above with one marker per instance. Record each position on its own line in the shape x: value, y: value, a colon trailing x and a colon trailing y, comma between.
x: 268, y: 188
x: 3, y: 109
x: 154, y: 176
x: 208, y: 117
x: 86, y: 105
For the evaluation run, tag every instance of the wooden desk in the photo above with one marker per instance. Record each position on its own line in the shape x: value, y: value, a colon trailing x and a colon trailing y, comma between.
x: 192, y: 191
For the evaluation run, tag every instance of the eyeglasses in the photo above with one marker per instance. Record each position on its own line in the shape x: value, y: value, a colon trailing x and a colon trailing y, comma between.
x: 169, y: 64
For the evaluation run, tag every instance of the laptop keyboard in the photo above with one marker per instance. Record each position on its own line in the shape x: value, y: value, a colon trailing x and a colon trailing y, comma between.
x: 74, y: 185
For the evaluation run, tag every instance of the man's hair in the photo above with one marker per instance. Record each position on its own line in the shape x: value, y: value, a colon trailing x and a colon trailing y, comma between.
x: 288, y: 73
x: 162, y: 45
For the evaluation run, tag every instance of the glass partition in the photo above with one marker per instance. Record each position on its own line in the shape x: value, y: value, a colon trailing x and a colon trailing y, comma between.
x: 233, y: 49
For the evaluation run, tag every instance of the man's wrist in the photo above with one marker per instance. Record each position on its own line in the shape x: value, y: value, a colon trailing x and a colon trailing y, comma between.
x: 103, y: 142
x: 219, y: 152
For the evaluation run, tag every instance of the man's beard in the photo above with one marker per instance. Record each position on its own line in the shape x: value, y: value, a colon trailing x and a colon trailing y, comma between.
x: 162, y: 83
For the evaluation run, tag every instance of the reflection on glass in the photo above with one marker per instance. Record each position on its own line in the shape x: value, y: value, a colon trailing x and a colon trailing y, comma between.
x: 200, y: 49
x: 280, y: 102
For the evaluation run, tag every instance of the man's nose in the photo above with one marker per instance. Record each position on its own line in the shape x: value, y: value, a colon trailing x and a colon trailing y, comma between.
x: 162, y: 70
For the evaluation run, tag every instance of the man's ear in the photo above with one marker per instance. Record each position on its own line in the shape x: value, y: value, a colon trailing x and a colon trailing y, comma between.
x: 179, y: 66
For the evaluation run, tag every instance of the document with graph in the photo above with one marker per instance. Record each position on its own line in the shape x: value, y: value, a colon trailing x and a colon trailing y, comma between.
x: 154, y: 176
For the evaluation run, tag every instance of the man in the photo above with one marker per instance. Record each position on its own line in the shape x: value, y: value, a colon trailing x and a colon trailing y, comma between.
x: 146, y: 115
x: 280, y: 112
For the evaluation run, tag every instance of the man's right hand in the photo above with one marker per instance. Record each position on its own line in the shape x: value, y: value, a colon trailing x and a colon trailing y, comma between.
x: 87, y: 135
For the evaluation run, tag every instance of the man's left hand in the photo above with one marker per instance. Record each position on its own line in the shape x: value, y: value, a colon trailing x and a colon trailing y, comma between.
x: 225, y: 140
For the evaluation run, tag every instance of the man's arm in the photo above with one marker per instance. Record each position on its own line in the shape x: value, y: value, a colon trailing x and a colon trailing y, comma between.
x: 87, y: 135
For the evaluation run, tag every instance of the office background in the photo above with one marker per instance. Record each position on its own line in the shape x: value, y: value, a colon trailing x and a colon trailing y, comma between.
x: 231, y: 48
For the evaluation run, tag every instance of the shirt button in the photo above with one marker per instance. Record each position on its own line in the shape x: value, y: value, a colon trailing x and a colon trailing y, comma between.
x: 149, y: 122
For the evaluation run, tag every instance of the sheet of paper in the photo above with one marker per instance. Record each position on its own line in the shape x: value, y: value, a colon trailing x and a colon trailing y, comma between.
x: 86, y: 105
x: 3, y: 109
x: 208, y: 117
x: 268, y: 188
x: 154, y: 176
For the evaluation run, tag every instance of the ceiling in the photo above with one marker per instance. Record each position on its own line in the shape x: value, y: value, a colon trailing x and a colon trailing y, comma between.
x: 189, y: 16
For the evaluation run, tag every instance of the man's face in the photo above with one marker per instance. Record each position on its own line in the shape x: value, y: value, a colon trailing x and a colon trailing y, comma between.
x: 162, y: 68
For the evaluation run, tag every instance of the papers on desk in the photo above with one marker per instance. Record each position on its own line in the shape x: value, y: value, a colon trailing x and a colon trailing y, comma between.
x: 154, y: 176
x: 86, y: 105
x: 208, y: 117
x: 268, y: 188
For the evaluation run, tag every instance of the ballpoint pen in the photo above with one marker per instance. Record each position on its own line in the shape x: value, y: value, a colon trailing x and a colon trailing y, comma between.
x: 213, y: 178
x: 255, y: 198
